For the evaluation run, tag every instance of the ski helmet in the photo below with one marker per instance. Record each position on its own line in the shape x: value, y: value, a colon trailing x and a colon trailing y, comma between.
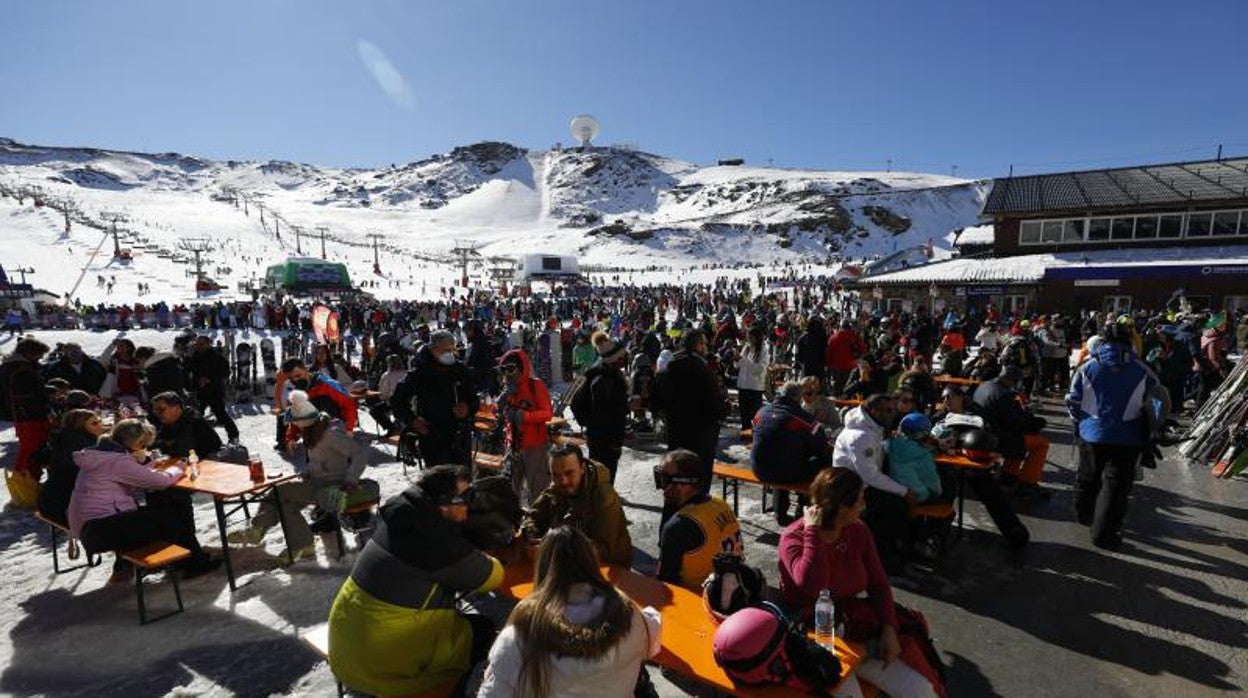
x: 978, y: 444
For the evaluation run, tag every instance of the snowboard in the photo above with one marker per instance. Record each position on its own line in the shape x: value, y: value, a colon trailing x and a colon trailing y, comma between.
x: 269, y: 357
x: 243, y: 359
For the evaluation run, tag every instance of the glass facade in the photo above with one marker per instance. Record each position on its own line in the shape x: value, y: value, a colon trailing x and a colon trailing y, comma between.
x: 1148, y: 226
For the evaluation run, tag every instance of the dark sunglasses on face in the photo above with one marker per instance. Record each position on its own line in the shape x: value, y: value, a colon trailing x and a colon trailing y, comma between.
x: 510, y: 368
x: 662, y: 479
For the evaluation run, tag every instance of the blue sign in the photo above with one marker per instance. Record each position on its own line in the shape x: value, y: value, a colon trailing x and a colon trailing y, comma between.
x: 985, y: 290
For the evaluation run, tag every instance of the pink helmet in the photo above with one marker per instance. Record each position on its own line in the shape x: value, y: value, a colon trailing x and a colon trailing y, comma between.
x: 750, y: 646
x: 759, y: 646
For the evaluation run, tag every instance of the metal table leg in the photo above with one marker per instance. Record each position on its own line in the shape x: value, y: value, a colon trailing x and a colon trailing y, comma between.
x: 281, y: 518
x: 219, y: 504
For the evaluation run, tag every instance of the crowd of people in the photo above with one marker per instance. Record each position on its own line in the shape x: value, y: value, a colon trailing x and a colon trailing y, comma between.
x: 849, y: 402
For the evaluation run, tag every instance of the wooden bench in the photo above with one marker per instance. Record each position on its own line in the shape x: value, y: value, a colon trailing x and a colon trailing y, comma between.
x: 155, y: 557
x: 59, y: 529
x: 940, y: 511
x: 732, y: 476
x: 317, y: 639
x: 488, y: 461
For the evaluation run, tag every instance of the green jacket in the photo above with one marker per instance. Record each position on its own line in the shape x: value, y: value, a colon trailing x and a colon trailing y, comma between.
x: 583, y: 356
x: 595, y: 510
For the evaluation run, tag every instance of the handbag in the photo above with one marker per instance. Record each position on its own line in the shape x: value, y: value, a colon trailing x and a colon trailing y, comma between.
x: 23, y: 488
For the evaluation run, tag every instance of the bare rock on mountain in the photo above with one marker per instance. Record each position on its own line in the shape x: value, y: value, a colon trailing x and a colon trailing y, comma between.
x: 886, y: 219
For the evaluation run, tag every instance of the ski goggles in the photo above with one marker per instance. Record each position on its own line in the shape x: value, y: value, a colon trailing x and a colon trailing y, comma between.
x: 662, y: 479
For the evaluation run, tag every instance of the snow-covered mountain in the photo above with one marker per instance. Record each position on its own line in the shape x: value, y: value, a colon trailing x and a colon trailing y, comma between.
x: 609, y: 206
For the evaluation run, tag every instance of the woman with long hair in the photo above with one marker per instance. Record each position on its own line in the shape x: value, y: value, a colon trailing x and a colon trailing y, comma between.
x: 77, y: 429
x: 831, y: 548
x: 575, y: 634
x: 752, y: 372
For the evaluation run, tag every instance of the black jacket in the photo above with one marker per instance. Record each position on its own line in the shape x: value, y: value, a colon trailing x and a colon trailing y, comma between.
x: 1005, y: 417
x: 62, y: 472
x: 876, y: 382
x: 25, y: 397
x: 811, y: 348
x: 480, y: 361
x: 211, y: 365
x: 689, y: 396
x: 89, y: 376
x: 434, y: 389
x: 190, y: 432
x: 164, y: 373
x: 608, y: 393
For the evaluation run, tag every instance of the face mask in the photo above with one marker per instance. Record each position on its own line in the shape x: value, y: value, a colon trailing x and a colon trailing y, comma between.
x: 301, y: 384
x: 446, y: 359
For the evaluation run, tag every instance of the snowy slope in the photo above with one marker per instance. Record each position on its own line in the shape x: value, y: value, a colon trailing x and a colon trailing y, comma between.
x: 612, y: 207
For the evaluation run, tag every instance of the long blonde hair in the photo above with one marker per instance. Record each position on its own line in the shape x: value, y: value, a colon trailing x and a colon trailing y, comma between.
x: 565, y: 558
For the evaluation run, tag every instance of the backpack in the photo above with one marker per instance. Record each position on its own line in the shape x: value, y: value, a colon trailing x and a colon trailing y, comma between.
x: 731, y: 586
x: 494, y: 513
x: 581, y: 399
x: 760, y: 646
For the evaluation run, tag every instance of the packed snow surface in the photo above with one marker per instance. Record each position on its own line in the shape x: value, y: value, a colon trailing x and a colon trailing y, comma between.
x: 613, y: 208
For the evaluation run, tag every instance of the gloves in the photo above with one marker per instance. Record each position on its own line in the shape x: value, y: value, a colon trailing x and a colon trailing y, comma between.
x: 1150, y: 456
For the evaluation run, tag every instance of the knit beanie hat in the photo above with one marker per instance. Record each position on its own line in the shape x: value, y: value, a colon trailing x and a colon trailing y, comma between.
x: 609, y: 350
x: 301, y: 413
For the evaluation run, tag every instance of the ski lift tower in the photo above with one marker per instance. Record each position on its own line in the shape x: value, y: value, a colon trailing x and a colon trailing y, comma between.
x: 503, y: 272
x: 466, y: 251
x: 114, y: 218
x: 196, y: 247
x: 322, y: 229
x: 376, y: 238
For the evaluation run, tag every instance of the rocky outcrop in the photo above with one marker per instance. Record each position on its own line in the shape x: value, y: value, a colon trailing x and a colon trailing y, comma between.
x: 886, y: 219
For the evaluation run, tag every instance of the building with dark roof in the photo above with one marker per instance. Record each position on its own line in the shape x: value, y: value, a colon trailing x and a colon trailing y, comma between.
x: 1112, y: 239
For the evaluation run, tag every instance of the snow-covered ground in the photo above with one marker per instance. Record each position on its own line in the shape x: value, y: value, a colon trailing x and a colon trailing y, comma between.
x: 609, y: 207
x: 77, y: 635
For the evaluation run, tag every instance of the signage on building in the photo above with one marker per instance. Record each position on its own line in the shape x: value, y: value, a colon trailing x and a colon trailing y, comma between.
x: 974, y: 291
x: 1153, y: 271
x: 16, y: 291
x: 1097, y: 282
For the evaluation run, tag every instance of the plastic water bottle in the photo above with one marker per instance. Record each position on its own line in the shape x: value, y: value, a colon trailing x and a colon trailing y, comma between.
x: 192, y: 460
x: 825, y: 615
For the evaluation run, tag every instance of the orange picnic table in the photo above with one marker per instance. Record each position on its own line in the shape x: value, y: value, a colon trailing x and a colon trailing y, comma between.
x: 962, y: 464
x: 230, y: 484
x: 951, y: 380
x: 687, y: 627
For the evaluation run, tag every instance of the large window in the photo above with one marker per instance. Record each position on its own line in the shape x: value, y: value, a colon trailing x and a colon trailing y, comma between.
x: 1148, y: 226
x: 1122, y: 229
x: 1225, y: 222
x: 1029, y: 234
x: 1199, y: 224
x: 1171, y: 226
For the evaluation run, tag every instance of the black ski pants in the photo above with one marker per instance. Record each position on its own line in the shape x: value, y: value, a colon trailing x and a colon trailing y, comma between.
x: 1103, y: 487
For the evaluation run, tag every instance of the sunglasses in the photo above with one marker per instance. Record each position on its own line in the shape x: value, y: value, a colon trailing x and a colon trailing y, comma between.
x: 809, y: 393
x: 662, y: 479
x: 510, y: 368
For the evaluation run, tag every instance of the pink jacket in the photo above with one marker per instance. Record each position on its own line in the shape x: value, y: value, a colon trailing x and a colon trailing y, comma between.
x: 107, y: 479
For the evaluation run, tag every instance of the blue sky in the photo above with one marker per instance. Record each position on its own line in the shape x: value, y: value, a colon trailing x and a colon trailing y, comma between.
x: 822, y: 84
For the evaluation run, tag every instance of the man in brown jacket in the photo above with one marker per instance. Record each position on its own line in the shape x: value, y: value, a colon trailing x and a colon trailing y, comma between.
x: 580, y: 495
